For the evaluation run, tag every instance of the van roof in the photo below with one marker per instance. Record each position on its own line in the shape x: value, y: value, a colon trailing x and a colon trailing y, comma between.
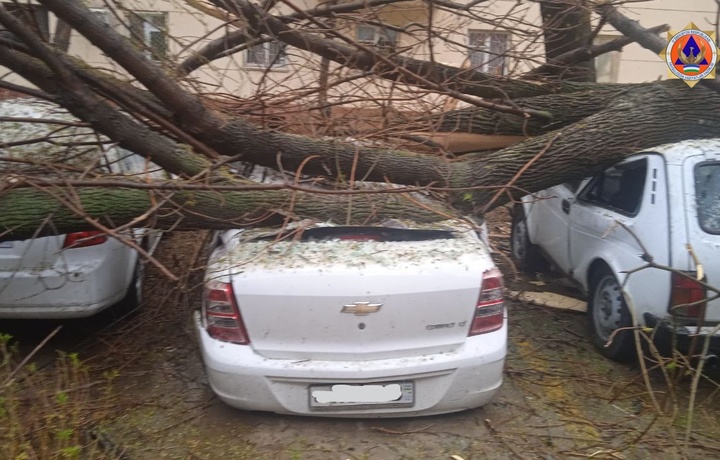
x: 676, y: 152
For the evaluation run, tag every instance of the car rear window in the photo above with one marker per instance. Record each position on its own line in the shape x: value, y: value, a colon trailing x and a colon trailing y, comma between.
x: 363, y: 234
x: 707, y: 193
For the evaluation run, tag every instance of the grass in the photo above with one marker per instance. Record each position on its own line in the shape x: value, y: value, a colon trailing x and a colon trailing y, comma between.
x: 50, y: 415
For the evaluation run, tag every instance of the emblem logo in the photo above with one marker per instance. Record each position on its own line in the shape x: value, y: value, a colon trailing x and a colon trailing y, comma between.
x: 691, y: 54
x: 361, y: 308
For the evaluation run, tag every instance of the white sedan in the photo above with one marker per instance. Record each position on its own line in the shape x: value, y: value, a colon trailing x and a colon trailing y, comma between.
x: 66, y: 275
x: 394, y: 320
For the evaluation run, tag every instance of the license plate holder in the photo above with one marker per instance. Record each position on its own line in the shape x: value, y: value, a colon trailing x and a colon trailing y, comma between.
x: 343, y: 396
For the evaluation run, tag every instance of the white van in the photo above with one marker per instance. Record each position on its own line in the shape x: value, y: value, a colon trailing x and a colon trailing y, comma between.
x: 662, y: 204
x: 65, y: 275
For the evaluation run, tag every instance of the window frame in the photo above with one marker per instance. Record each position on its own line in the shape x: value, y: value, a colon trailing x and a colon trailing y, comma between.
x: 271, y: 58
x: 612, y: 57
x: 383, y: 38
x: 701, y: 210
x: 102, y: 13
x: 143, y: 39
x: 584, y: 195
x: 489, y: 60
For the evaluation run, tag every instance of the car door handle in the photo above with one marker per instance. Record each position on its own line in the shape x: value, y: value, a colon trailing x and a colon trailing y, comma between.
x: 565, y: 206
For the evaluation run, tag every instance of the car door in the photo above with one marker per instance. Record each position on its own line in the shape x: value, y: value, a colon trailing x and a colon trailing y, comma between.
x: 702, y: 215
x: 610, y: 200
x: 550, y: 218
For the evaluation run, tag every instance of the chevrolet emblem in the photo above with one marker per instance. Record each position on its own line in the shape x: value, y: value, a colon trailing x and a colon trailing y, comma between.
x: 361, y: 308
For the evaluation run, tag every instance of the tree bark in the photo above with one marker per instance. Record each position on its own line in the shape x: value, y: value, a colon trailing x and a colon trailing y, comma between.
x: 566, y: 25
x: 664, y: 112
x: 61, y: 38
x: 22, y: 209
x: 589, y: 130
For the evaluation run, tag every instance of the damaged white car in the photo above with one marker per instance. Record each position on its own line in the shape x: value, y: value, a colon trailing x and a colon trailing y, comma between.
x: 393, y: 320
x: 663, y: 204
x: 77, y: 274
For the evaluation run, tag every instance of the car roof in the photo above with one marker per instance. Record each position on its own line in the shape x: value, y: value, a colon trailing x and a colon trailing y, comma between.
x: 676, y: 152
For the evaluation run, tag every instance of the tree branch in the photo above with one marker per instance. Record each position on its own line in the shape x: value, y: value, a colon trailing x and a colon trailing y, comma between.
x: 586, y: 53
x: 366, y: 59
x: 183, y: 104
x: 643, y: 36
x: 225, y: 46
x: 177, y: 159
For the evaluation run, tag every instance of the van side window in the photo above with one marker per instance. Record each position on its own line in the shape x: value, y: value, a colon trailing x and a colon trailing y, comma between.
x: 707, y: 194
x: 619, y: 188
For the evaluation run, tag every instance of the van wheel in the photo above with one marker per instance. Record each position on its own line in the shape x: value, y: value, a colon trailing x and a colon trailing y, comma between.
x: 525, y: 255
x: 608, y: 312
x: 130, y: 304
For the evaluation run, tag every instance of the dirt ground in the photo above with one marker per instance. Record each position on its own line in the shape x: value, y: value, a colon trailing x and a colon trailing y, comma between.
x: 560, y: 399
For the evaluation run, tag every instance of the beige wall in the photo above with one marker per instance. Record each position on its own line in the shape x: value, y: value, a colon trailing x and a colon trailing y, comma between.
x: 190, y: 29
x: 638, y: 64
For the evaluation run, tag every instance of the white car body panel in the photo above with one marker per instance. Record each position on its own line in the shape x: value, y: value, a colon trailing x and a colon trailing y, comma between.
x: 553, y: 233
x: 666, y: 222
x: 705, y: 245
x: 75, y: 282
x: 465, y: 378
x: 291, y: 296
x: 38, y: 278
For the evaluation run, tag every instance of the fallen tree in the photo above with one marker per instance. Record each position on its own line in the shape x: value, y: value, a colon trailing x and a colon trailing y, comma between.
x: 571, y: 129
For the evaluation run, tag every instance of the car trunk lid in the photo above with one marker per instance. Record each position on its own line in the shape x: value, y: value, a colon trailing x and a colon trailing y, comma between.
x: 37, y: 253
x: 357, y: 293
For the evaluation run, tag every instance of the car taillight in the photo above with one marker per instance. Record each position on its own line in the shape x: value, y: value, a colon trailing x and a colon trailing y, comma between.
x: 490, y: 308
x: 84, y: 239
x: 222, y: 314
x: 686, y: 291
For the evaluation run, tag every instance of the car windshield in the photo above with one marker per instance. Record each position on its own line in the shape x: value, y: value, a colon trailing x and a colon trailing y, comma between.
x: 707, y: 191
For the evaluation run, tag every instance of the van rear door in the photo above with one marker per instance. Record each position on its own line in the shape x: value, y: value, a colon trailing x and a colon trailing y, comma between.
x: 702, y: 205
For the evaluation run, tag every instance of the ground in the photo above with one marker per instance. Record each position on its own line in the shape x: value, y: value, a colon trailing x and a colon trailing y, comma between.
x: 560, y: 398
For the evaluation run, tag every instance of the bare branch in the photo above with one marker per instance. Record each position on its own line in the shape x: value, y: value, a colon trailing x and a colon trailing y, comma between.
x: 644, y: 37
x: 586, y: 53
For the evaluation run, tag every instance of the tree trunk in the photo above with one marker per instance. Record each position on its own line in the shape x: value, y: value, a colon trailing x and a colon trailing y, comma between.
x: 637, y: 121
x: 657, y: 114
x: 22, y: 209
x: 566, y: 26
x: 591, y: 128
x: 62, y: 34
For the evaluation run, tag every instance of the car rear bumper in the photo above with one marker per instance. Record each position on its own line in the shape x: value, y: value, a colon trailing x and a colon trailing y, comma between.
x: 683, y: 336
x: 76, y: 291
x: 445, y: 382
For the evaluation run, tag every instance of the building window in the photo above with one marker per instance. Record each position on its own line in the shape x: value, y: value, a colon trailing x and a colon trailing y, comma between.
x: 487, y: 51
x: 268, y: 54
x: 380, y: 38
x: 102, y: 14
x: 34, y: 16
x: 607, y: 65
x: 149, y: 32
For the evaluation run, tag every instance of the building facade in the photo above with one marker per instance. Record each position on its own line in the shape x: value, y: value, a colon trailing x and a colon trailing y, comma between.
x: 502, y: 37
